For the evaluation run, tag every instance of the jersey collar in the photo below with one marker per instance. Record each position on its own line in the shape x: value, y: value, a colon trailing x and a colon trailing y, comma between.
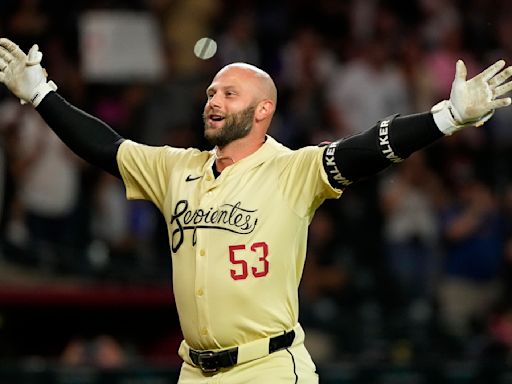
x: 268, y: 150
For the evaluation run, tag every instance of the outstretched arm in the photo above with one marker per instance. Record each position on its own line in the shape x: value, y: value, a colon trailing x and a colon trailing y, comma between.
x: 87, y: 136
x: 90, y: 138
x: 393, y: 139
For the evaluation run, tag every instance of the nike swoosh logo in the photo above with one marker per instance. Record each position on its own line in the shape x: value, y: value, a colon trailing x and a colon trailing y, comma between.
x: 192, y: 178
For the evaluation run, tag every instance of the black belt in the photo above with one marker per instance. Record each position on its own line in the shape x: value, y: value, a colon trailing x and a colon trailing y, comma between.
x: 210, y: 361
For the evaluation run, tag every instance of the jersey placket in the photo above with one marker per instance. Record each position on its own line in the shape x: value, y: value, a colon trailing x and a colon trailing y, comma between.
x: 206, y: 200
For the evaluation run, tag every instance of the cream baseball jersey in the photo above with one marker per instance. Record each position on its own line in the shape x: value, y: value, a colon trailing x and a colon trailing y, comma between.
x: 238, y: 241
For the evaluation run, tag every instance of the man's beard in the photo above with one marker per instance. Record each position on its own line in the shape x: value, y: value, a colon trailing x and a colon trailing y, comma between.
x: 236, y: 126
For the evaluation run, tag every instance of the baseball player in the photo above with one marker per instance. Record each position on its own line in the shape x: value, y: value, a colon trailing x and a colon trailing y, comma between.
x: 238, y: 215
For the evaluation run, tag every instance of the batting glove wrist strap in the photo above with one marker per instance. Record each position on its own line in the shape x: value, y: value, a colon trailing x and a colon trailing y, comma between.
x: 448, y: 120
x: 41, y: 91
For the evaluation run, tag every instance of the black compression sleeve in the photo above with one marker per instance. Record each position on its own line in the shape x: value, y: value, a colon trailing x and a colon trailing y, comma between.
x: 390, y: 141
x: 88, y: 137
x: 411, y: 133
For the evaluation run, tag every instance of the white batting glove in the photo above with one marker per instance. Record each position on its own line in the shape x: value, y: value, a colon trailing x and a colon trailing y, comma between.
x: 23, y: 74
x: 472, y: 102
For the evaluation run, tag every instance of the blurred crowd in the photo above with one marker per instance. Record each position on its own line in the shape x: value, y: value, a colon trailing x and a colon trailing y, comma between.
x: 411, y: 264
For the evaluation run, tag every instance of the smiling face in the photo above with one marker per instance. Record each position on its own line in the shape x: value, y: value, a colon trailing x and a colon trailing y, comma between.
x: 222, y: 129
x: 234, y: 100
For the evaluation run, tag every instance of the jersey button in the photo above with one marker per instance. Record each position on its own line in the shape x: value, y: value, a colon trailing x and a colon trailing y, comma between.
x: 200, y: 292
x: 202, y: 252
x: 209, y: 178
x: 204, y: 331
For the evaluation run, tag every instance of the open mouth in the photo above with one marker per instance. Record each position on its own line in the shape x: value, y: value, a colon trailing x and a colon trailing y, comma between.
x: 214, y: 120
x: 214, y: 117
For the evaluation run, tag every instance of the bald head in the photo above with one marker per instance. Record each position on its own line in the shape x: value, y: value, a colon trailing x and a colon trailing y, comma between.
x: 240, y: 105
x: 264, y: 83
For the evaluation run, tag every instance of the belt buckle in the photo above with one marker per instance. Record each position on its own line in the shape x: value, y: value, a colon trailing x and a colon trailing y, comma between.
x: 205, y: 355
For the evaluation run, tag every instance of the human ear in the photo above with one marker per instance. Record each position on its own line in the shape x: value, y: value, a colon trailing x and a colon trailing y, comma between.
x: 264, y: 109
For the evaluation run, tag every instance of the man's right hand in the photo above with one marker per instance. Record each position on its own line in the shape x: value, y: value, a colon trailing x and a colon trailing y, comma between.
x: 23, y: 74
